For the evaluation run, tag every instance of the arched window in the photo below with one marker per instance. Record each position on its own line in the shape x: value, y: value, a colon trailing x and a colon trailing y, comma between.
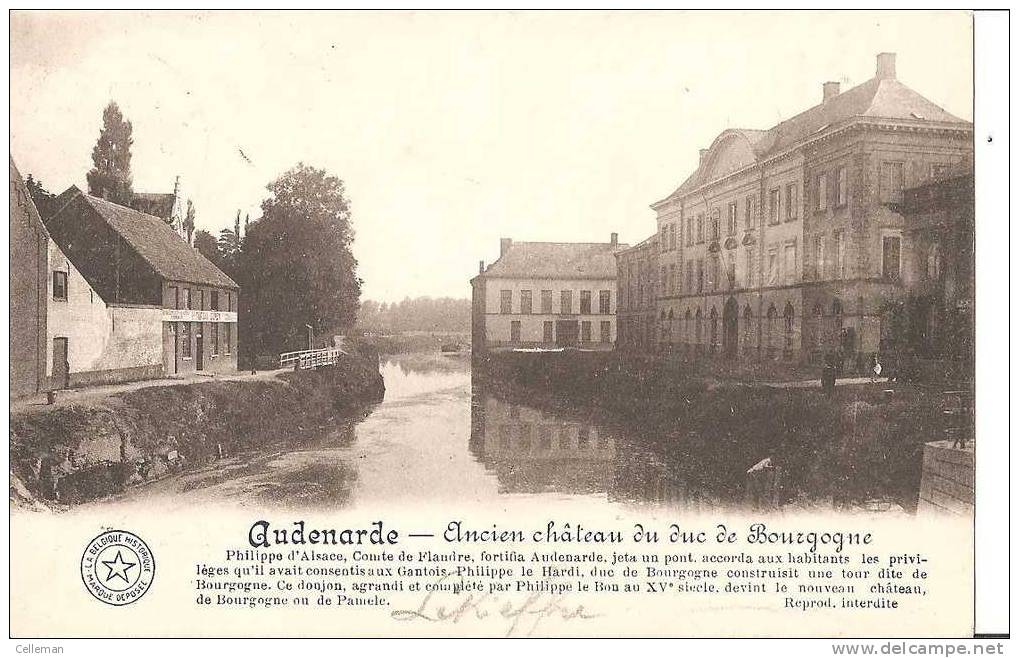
x: 769, y: 327
x: 787, y: 315
x: 699, y: 321
x: 686, y: 327
x: 714, y: 328
x: 669, y: 330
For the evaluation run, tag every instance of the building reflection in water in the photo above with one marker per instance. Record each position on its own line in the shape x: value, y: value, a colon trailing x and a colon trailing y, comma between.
x: 536, y: 451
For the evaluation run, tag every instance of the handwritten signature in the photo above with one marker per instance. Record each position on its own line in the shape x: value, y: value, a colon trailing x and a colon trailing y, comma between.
x: 522, y: 617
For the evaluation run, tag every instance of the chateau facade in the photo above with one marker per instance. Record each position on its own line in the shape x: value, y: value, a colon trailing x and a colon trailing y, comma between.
x: 546, y: 295
x: 791, y: 242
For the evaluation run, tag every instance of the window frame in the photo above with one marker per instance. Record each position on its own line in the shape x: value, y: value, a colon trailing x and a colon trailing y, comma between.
x: 566, y: 302
x: 185, y: 332
x: 774, y: 206
x: 886, y: 191
x: 526, y: 302
x: 505, y: 302
x: 585, y: 302
x: 898, y: 266
x: 62, y: 275
x: 841, y: 187
x: 821, y: 192
x: 546, y: 296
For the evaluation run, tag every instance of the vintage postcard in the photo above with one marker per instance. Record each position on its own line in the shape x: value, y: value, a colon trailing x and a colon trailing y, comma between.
x: 492, y: 324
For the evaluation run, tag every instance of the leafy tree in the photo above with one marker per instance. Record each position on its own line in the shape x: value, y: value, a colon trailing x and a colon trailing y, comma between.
x: 42, y: 198
x: 444, y: 314
x: 296, y: 267
x: 206, y: 245
x: 229, y: 246
x: 230, y: 239
x: 110, y: 177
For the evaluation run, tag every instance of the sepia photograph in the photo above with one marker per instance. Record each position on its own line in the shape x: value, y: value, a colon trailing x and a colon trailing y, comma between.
x: 331, y: 324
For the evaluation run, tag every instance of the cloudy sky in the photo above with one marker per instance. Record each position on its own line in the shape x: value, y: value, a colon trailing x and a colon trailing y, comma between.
x: 450, y: 129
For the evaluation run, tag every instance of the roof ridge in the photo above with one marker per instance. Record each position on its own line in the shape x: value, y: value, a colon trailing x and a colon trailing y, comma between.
x: 127, y: 213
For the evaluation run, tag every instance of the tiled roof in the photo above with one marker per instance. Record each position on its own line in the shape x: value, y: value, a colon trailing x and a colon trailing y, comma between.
x: 159, y: 245
x: 878, y: 98
x: 153, y: 203
x: 557, y: 260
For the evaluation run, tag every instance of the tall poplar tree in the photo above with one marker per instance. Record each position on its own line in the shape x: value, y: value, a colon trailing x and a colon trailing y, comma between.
x: 110, y: 177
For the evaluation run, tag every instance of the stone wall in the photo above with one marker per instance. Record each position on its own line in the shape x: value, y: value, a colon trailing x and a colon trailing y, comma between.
x: 28, y: 272
x: 73, y: 453
x: 946, y: 482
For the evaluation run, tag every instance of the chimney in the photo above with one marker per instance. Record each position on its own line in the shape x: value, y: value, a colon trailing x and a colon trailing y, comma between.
x: 704, y: 152
x: 176, y: 186
x: 481, y: 267
x: 885, y: 66
x: 831, y: 90
x: 504, y: 246
x: 614, y: 239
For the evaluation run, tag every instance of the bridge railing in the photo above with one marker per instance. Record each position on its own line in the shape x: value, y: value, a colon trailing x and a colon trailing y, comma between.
x: 307, y: 359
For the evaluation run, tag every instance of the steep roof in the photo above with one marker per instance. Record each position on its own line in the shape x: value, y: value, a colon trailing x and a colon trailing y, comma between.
x: 153, y: 203
x: 23, y: 197
x: 878, y: 98
x: 557, y: 260
x: 158, y: 244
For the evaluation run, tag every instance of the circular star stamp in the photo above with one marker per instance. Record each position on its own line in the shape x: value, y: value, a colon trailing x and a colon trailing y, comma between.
x: 117, y: 567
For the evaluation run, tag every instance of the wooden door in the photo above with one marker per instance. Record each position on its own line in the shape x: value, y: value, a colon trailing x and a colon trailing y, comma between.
x: 61, y: 368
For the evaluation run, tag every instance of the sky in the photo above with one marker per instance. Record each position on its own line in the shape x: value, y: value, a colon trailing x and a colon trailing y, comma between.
x: 450, y: 129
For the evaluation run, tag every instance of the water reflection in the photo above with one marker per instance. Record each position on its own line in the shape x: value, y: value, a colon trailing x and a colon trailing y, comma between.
x: 534, y: 451
x: 440, y: 437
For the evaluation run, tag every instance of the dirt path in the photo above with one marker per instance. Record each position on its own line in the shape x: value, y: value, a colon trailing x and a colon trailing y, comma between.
x: 85, y: 395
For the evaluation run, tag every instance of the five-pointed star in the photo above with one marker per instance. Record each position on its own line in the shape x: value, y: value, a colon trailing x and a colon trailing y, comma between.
x: 118, y: 568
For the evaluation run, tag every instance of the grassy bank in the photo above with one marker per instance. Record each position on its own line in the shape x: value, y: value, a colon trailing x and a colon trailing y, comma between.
x: 860, y: 445
x: 79, y: 452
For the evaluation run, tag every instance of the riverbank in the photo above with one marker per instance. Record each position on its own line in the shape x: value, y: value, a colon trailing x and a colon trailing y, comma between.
x: 96, y: 447
x: 417, y: 342
x: 861, y: 446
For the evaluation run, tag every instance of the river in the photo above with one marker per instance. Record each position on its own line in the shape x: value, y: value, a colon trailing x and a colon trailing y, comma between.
x: 441, y: 437
x: 437, y: 437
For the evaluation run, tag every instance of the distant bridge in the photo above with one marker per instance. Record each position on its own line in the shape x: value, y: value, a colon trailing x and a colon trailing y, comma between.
x: 308, y: 359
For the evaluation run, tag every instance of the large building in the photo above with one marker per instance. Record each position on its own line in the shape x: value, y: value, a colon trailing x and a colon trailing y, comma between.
x: 790, y: 242
x: 132, y: 260
x: 637, y: 292
x: 546, y: 295
x: 63, y: 332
